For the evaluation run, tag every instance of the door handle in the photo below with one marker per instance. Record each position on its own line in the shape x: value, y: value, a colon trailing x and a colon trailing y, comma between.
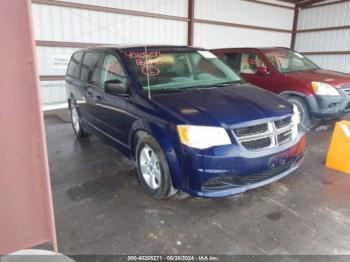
x: 90, y: 94
x: 100, y: 98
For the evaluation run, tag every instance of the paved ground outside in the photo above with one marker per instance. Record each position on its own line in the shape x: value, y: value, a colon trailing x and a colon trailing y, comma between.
x: 101, y: 208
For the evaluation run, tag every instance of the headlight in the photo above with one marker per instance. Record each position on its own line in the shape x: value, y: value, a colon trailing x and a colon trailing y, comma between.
x: 324, y: 89
x: 296, y: 119
x: 202, y: 137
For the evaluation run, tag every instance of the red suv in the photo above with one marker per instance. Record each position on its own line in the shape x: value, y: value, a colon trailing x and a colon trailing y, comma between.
x: 316, y: 92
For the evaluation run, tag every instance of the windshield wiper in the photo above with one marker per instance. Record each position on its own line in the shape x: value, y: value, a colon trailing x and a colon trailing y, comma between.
x: 229, y: 83
x: 196, y: 88
x: 168, y: 90
x: 212, y: 86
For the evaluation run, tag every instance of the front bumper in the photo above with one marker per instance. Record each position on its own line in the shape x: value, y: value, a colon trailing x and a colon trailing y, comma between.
x: 229, y: 170
x: 329, y: 106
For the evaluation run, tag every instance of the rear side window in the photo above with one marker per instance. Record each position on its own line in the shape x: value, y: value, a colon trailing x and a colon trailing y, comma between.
x: 74, y: 65
x: 89, y: 68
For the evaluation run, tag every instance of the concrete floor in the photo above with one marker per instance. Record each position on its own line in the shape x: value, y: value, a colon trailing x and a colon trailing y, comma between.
x: 101, y: 208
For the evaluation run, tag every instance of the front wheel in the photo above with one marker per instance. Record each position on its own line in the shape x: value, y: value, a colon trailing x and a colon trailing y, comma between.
x: 303, y: 110
x: 76, y: 121
x: 153, y: 167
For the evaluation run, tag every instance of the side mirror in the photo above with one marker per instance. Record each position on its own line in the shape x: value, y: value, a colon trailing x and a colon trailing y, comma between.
x: 262, y: 70
x: 116, y: 88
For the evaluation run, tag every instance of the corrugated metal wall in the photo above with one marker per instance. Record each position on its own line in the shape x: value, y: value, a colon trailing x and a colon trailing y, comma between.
x: 241, y: 12
x: 244, y: 12
x: 73, y: 25
x: 213, y: 36
x: 324, y: 41
x: 168, y: 7
x: 57, y: 23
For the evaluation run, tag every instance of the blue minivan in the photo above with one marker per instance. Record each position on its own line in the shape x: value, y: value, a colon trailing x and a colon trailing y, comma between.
x: 187, y: 119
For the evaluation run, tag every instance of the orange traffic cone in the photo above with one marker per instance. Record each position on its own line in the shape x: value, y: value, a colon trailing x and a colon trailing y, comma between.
x: 338, y: 157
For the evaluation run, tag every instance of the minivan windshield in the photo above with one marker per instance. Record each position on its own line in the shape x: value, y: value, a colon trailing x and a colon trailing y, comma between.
x: 285, y: 61
x: 177, y: 71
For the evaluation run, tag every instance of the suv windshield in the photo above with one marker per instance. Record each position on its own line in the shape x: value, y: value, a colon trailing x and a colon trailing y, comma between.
x: 174, y: 71
x: 288, y: 61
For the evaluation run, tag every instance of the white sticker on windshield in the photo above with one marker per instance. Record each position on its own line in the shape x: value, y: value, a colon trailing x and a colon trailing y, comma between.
x: 207, y: 54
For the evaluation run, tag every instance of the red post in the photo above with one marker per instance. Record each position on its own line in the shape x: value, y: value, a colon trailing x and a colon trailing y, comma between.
x: 26, y: 211
x: 190, y: 22
x: 295, y: 26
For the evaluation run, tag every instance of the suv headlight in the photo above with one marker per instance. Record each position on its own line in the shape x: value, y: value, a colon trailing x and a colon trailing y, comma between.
x: 202, y: 137
x: 296, y: 119
x: 324, y: 89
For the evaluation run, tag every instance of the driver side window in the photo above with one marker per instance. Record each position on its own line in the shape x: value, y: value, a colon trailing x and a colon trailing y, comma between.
x: 250, y: 63
x: 112, y: 70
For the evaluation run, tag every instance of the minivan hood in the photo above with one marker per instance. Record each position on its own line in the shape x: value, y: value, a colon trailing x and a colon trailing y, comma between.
x: 334, y: 78
x: 225, y: 106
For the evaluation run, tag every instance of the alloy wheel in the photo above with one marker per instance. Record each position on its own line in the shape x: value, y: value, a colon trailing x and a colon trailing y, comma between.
x: 75, y: 119
x: 150, y: 169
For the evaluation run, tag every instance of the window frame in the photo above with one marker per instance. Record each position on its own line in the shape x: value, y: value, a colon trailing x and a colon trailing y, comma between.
x: 104, y: 55
x: 170, y: 51
x: 79, y: 64
x: 258, y: 56
x: 225, y: 55
x: 264, y: 54
x: 98, y: 66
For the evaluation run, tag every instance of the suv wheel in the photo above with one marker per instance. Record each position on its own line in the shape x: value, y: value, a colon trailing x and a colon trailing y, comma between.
x: 303, y: 110
x: 76, y: 121
x: 153, y: 167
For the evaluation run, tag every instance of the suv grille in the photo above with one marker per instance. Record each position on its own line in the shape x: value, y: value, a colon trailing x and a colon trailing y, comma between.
x: 254, y: 178
x: 251, y: 130
x: 221, y: 182
x: 284, y: 137
x: 266, y: 135
x: 257, y: 143
x: 346, y: 89
x: 283, y: 122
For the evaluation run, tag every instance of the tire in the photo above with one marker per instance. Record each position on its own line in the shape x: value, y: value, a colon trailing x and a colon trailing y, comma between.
x: 303, y: 110
x: 152, y: 167
x: 76, y: 121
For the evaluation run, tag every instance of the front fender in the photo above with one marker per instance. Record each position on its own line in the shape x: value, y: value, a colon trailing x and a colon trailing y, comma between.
x: 164, y: 135
x: 286, y: 94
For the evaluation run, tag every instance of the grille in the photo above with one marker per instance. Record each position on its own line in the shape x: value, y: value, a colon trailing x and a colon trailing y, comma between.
x: 266, y: 135
x: 251, y: 130
x: 255, y: 178
x: 257, y: 143
x: 236, y: 181
x: 346, y: 89
x: 284, y: 137
x: 283, y: 122
x: 222, y: 182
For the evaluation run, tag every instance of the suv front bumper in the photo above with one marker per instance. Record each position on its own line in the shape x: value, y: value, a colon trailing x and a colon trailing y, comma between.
x: 230, y: 170
x: 329, y: 106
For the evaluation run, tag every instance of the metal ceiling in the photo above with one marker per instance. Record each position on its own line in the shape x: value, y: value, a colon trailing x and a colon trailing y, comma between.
x: 302, y: 3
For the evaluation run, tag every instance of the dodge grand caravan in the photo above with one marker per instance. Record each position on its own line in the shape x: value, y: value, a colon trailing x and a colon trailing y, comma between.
x: 317, y: 93
x: 186, y: 118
